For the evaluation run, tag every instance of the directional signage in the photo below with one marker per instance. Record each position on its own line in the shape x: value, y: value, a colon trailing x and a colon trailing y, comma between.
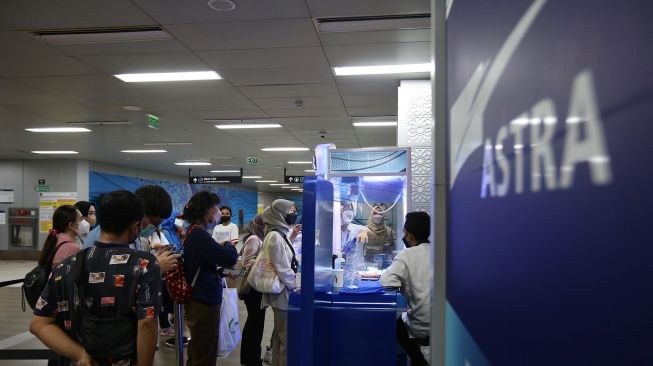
x: 215, y: 180
x: 41, y: 188
x: 293, y: 179
x: 153, y: 121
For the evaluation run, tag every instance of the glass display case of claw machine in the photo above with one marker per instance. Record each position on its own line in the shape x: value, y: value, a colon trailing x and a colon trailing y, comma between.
x: 353, y: 218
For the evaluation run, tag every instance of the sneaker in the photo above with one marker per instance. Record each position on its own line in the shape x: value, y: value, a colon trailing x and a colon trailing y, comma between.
x: 167, y: 332
x: 170, y: 342
x: 267, y: 357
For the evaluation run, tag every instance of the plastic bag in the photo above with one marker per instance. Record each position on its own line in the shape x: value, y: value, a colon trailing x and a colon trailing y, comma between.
x: 229, y: 331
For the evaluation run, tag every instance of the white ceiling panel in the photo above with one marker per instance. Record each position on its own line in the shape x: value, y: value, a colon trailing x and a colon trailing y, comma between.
x: 296, y: 90
x: 14, y: 42
x: 229, y: 114
x: 74, y: 83
x: 314, y: 123
x: 109, y: 48
x: 218, y: 90
x: 151, y: 62
x: 368, y: 85
x: 348, y: 8
x: 308, y: 102
x: 48, y: 14
x: 250, y: 34
x: 117, y: 98
x: 265, y: 58
x: 389, y: 36
x: 379, y: 54
x: 207, y: 104
x: 307, y: 75
x: 372, y: 111
x: 304, y: 112
x: 373, y: 100
x: 180, y: 12
x: 17, y: 65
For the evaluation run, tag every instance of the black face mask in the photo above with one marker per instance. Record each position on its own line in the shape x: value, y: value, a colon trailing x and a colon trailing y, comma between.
x: 291, y: 218
x: 226, y: 218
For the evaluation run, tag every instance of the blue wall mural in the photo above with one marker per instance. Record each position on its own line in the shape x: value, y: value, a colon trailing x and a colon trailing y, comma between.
x: 237, y: 199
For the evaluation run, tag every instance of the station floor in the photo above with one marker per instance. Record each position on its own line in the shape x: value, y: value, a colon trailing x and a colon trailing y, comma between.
x: 14, y: 333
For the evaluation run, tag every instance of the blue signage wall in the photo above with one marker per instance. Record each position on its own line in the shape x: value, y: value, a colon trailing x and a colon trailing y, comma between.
x: 550, y: 254
x: 180, y: 193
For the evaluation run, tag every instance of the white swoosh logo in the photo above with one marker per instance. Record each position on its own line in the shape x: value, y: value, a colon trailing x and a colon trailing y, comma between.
x: 468, y: 110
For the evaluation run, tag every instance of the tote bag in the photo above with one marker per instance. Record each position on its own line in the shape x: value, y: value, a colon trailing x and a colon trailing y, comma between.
x: 229, y: 329
x: 262, y: 276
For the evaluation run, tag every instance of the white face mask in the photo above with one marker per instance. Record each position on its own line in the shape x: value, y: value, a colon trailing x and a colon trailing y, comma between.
x: 83, y: 228
x: 377, y: 219
x: 347, y: 217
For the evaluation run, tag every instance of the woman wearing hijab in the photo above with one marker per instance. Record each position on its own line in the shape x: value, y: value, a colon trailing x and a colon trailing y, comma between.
x: 278, y: 218
x: 250, y: 348
x: 380, y: 236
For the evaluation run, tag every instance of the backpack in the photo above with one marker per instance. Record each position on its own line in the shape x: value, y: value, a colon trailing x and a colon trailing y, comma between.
x: 37, y: 279
x: 179, y: 289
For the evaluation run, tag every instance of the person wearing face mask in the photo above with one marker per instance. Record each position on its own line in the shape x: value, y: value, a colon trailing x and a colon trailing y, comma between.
x: 226, y: 230
x: 411, y: 271
x: 202, y: 256
x: 117, y: 282
x: 60, y: 242
x: 88, y: 221
x: 379, y: 237
x: 278, y: 218
x: 350, y: 231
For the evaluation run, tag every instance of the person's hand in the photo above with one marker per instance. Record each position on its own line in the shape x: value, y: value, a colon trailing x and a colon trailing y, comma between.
x: 363, y: 238
x: 86, y: 360
x: 167, y: 260
x: 295, y: 231
x: 157, y: 246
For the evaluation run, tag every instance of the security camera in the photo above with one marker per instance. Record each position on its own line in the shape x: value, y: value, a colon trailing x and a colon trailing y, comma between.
x: 299, y: 103
x: 322, y: 134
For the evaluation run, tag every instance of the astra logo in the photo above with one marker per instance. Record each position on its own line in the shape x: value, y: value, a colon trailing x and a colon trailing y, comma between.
x: 584, y: 143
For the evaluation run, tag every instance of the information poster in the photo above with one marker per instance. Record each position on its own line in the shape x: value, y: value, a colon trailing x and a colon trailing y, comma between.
x: 48, y: 202
x: 6, y: 196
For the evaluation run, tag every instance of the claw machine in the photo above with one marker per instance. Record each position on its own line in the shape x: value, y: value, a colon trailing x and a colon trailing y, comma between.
x: 353, y: 210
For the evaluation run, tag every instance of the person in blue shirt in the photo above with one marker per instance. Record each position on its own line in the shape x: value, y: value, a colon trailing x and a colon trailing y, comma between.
x: 202, y: 255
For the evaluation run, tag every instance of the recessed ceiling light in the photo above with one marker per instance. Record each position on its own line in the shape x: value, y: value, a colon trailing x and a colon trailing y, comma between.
x: 247, y: 126
x: 168, y: 76
x: 222, y: 5
x: 373, y: 23
x: 300, y: 162
x: 374, y: 124
x: 192, y: 163
x: 225, y: 171
x: 252, y: 177
x: 281, y: 149
x: 310, y: 170
x: 382, y: 69
x: 54, y: 152
x: 266, y: 181
x: 167, y: 143
x: 100, y: 123
x: 143, y: 151
x: 221, y: 157
x: 132, y: 108
x: 58, y: 129
x: 101, y: 35
x: 279, y: 184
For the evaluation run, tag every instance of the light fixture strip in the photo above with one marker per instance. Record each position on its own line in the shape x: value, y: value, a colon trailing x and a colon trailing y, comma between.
x: 382, y: 69
x: 168, y: 76
x: 243, y: 126
x: 58, y: 129
x: 54, y: 152
x: 284, y: 149
x: 143, y: 151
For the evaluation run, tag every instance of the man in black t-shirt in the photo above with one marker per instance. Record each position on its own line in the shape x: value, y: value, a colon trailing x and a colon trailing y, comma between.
x: 112, y: 282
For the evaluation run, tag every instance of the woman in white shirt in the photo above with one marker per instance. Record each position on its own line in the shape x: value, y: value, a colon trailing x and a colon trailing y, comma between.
x: 250, y: 349
x: 226, y: 231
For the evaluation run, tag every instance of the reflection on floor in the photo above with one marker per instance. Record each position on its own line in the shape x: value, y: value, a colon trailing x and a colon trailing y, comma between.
x: 14, y: 322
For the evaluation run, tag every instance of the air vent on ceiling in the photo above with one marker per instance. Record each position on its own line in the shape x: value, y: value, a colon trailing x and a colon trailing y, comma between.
x: 373, y: 23
x: 101, y: 35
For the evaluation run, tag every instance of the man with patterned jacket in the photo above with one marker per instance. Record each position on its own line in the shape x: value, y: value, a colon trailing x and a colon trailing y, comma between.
x: 101, y: 305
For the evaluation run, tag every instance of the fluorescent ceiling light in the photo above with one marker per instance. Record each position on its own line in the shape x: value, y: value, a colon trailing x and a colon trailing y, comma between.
x: 281, y: 149
x: 290, y: 187
x: 252, y: 177
x: 266, y: 181
x: 143, y: 151
x: 192, y: 163
x: 310, y: 170
x: 58, y: 129
x: 247, y: 126
x: 382, y: 69
x: 101, y: 123
x: 168, y: 76
x: 375, y: 124
x: 279, y: 184
x: 54, y: 152
x: 225, y: 171
x: 167, y: 143
x: 102, y: 35
x: 374, y: 23
x: 300, y: 162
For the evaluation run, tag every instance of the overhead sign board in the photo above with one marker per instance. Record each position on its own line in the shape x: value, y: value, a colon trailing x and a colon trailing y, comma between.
x: 215, y: 180
x: 293, y: 179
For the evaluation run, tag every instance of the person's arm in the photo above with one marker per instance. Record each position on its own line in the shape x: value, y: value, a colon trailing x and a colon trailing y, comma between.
x: 166, y: 259
x: 45, y: 329
x: 251, y: 249
x: 234, y: 234
x: 394, y: 275
x: 222, y: 255
x: 280, y: 261
x: 92, y: 237
x: 295, y: 231
x: 146, y: 341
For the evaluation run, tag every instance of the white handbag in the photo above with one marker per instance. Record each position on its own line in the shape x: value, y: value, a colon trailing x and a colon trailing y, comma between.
x: 262, y: 276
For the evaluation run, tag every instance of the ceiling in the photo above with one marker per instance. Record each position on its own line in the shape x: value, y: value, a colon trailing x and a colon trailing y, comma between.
x: 269, y: 54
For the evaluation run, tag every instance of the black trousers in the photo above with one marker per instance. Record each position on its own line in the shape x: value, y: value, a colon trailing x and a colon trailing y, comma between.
x: 167, y: 304
x: 250, y: 347
x: 411, y: 345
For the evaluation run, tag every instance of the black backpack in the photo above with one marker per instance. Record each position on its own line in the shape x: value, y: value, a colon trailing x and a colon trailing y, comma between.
x: 36, y: 280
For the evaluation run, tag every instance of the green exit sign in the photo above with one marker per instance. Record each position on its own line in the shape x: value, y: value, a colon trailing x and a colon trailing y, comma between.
x: 153, y: 121
x: 252, y: 160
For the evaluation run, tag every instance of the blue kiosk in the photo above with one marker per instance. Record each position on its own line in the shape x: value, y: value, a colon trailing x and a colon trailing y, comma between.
x: 354, y: 324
